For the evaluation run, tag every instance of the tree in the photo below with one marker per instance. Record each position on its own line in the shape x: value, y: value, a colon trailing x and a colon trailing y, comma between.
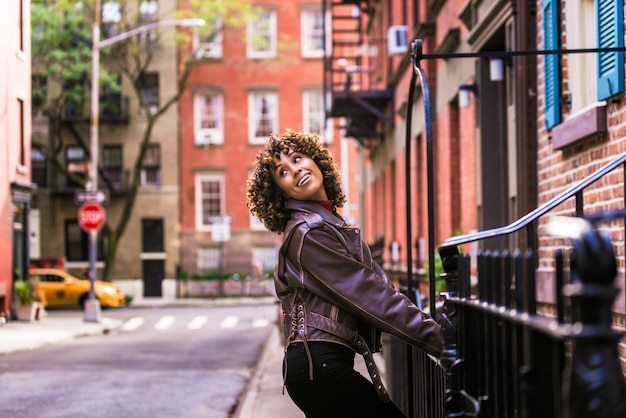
x: 61, y: 53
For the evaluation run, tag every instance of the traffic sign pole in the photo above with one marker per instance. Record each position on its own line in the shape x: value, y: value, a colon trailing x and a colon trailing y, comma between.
x: 91, y: 217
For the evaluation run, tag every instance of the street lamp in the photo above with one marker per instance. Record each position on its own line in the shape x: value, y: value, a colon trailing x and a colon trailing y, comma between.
x: 92, y: 305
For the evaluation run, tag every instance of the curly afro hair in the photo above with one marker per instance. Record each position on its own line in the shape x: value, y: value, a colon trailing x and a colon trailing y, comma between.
x: 264, y: 198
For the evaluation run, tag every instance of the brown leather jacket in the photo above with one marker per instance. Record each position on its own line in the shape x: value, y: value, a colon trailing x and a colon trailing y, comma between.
x: 331, y: 289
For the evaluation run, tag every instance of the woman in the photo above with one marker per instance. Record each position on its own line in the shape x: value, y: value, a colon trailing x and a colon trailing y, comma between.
x: 336, y: 300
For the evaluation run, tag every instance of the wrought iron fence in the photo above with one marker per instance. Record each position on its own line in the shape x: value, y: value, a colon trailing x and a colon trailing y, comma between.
x: 502, y: 358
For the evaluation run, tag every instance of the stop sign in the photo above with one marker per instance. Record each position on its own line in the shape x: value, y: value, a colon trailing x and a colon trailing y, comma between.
x: 91, y: 217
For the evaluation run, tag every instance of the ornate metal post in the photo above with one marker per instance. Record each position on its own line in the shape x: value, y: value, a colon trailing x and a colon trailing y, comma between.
x: 593, y: 383
x: 458, y: 402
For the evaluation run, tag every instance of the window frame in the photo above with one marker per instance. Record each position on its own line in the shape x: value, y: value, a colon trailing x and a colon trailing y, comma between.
x: 82, y: 244
x: 81, y: 165
x: 254, y: 32
x: 199, y: 201
x: 309, y: 32
x: 254, y: 114
x: 113, y: 167
x: 147, y: 165
x: 325, y: 133
x: 218, y: 118
x: 150, y: 83
x: 212, y: 44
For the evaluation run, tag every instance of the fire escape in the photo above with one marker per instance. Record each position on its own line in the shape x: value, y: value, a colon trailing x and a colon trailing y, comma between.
x: 351, y: 80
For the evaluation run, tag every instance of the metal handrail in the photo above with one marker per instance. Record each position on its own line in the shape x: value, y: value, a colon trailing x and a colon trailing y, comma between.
x: 535, y: 214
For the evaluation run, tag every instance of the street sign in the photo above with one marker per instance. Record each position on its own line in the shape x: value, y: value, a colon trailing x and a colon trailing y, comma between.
x: 220, y: 232
x: 220, y: 219
x: 91, y: 196
x: 220, y: 227
x: 91, y: 217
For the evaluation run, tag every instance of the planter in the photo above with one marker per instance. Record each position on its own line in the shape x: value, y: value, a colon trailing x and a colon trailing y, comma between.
x: 30, y: 313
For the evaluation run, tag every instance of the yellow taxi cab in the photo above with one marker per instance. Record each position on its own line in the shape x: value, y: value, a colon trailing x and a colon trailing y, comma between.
x: 57, y: 287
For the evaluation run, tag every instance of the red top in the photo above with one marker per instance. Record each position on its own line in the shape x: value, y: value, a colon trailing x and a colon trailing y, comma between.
x: 327, y: 204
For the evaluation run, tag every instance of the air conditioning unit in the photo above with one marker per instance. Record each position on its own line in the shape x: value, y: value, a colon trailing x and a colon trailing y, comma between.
x: 209, y: 137
x: 397, y: 40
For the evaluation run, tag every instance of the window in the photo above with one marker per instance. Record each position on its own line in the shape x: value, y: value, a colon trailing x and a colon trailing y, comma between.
x: 209, y: 199
x: 74, y: 97
x: 149, y: 83
x: 148, y: 10
x: 262, y: 35
x: 263, y: 111
x: 22, y: 136
x: 211, y: 43
x: 313, y: 115
x: 77, y: 162
x: 77, y: 243
x: 151, y: 166
x: 585, y: 28
x: 111, y: 17
x: 39, y: 168
x: 112, y: 165
x: 209, y: 118
x: 152, y: 236
x: 111, y: 98
x: 312, y: 24
x: 265, y: 256
x: 209, y: 259
x: 21, y: 24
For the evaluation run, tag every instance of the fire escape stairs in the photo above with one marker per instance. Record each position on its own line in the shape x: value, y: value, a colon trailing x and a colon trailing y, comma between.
x: 348, y: 75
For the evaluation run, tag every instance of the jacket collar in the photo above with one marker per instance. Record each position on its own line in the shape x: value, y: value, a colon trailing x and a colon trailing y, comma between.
x: 308, y: 206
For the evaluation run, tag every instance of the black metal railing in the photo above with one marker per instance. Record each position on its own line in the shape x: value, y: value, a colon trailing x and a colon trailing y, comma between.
x: 502, y: 358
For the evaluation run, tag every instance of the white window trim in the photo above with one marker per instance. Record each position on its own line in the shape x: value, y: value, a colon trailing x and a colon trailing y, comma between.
x: 272, y: 98
x: 306, y: 25
x: 326, y: 136
x: 581, y: 33
x: 272, y: 51
x: 200, y: 178
x: 216, y: 134
x: 214, y: 48
x: 159, y: 180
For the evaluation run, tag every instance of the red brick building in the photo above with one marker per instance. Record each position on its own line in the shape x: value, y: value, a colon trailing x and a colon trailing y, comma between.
x: 511, y: 129
x: 248, y: 82
x: 15, y: 177
x: 581, y: 118
x: 484, y: 122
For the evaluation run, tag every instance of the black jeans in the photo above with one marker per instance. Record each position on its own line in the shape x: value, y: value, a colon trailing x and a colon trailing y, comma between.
x: 337, y: 390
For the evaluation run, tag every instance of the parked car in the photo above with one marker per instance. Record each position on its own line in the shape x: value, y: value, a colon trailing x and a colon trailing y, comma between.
x: 57, y: 287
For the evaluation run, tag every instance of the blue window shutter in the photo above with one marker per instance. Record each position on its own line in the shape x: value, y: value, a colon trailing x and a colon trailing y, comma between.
x: 610, y: 24
x: 551, y: 62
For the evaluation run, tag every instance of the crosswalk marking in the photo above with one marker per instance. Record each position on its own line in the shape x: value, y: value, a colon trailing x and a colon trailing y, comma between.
x: 132, y: 323
x: 197, y: 322
x: 260, y: 323
x: 229, y: 322
x: 165, y: 322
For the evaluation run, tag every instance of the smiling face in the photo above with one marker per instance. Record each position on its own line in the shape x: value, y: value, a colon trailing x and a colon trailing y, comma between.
x: 299, y: 177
